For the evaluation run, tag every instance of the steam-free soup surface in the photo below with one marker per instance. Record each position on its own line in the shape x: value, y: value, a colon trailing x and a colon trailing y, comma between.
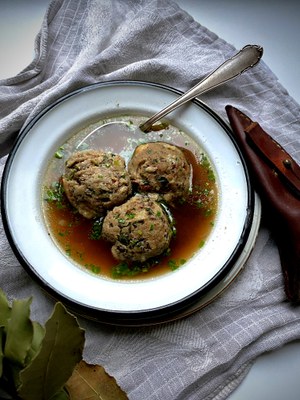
x: 79, y: 238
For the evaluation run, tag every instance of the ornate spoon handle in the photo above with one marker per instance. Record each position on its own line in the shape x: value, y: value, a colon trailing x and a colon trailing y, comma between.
x: 246, y: 58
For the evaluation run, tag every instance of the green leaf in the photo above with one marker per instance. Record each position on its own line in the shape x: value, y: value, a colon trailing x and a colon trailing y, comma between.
x: 38, y: 335
x: 19, y: 332
x: 5, y: 309
x: 61, y: 395
x: 2, y: 336
x: 60, y: 351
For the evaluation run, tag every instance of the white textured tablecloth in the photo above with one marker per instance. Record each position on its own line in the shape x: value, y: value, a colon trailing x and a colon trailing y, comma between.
x: 206, y: 355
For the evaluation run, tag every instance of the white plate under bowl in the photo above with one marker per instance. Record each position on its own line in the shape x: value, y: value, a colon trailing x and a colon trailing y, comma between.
x: 114, y: 301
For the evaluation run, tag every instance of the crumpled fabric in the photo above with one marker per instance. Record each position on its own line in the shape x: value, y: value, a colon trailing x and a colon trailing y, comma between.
x: 205, y: 355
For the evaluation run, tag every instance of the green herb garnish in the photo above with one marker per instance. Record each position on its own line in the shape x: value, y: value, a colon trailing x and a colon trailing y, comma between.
x: 55, y: 194
x: 59, y: 153
x: 96, y: 229
x: 175, y: 264
x: 125, y: 269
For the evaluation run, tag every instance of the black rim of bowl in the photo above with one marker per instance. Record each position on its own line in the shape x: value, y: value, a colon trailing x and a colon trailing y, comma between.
x: 128, y: 318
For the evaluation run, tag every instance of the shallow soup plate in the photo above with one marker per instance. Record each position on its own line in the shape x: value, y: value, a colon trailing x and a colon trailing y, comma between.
x: 136, y: 301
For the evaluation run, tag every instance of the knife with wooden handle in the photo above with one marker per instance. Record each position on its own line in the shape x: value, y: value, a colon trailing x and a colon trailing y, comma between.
x: 276, y: 178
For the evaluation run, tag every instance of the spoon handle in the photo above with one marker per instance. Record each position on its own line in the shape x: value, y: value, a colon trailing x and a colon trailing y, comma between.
x: 246, y: 58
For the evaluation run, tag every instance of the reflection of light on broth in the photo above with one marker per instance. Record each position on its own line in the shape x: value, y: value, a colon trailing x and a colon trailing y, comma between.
x: 194, y: 219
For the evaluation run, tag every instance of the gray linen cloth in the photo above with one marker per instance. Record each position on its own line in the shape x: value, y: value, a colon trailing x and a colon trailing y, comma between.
x: 206, y: 355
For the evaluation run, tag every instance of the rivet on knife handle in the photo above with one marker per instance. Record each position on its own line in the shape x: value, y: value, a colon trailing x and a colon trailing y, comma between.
x: 276, y: 155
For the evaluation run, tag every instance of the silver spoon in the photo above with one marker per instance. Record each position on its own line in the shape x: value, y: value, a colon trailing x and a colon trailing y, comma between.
x: 246, y: 58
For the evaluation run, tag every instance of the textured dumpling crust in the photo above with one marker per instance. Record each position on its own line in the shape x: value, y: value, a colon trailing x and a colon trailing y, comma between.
x: 96, y: 181
x: 162, y: 168
x: 139, y: 229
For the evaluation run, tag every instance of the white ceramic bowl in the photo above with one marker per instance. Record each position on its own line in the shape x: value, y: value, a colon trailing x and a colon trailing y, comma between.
x: 118, y: 301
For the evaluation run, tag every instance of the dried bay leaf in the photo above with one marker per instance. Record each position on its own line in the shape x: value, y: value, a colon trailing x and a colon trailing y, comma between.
x: 61, y: 395
x: 4, y: 315
x: 92, y: 382
x: 36, y: 362
x: 2, y: 336
x: 61, y: 349
x: 38, y: 335
x: 16, y: 340
x: 5, y: 309
x: 19, y: 332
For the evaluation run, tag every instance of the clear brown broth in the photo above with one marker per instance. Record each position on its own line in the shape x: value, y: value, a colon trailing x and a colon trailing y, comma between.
x: 193, y: 220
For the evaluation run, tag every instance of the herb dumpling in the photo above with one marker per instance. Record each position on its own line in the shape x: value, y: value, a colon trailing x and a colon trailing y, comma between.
x: 96, y: 181
x: 162, y: 168
x: 139, y: 229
